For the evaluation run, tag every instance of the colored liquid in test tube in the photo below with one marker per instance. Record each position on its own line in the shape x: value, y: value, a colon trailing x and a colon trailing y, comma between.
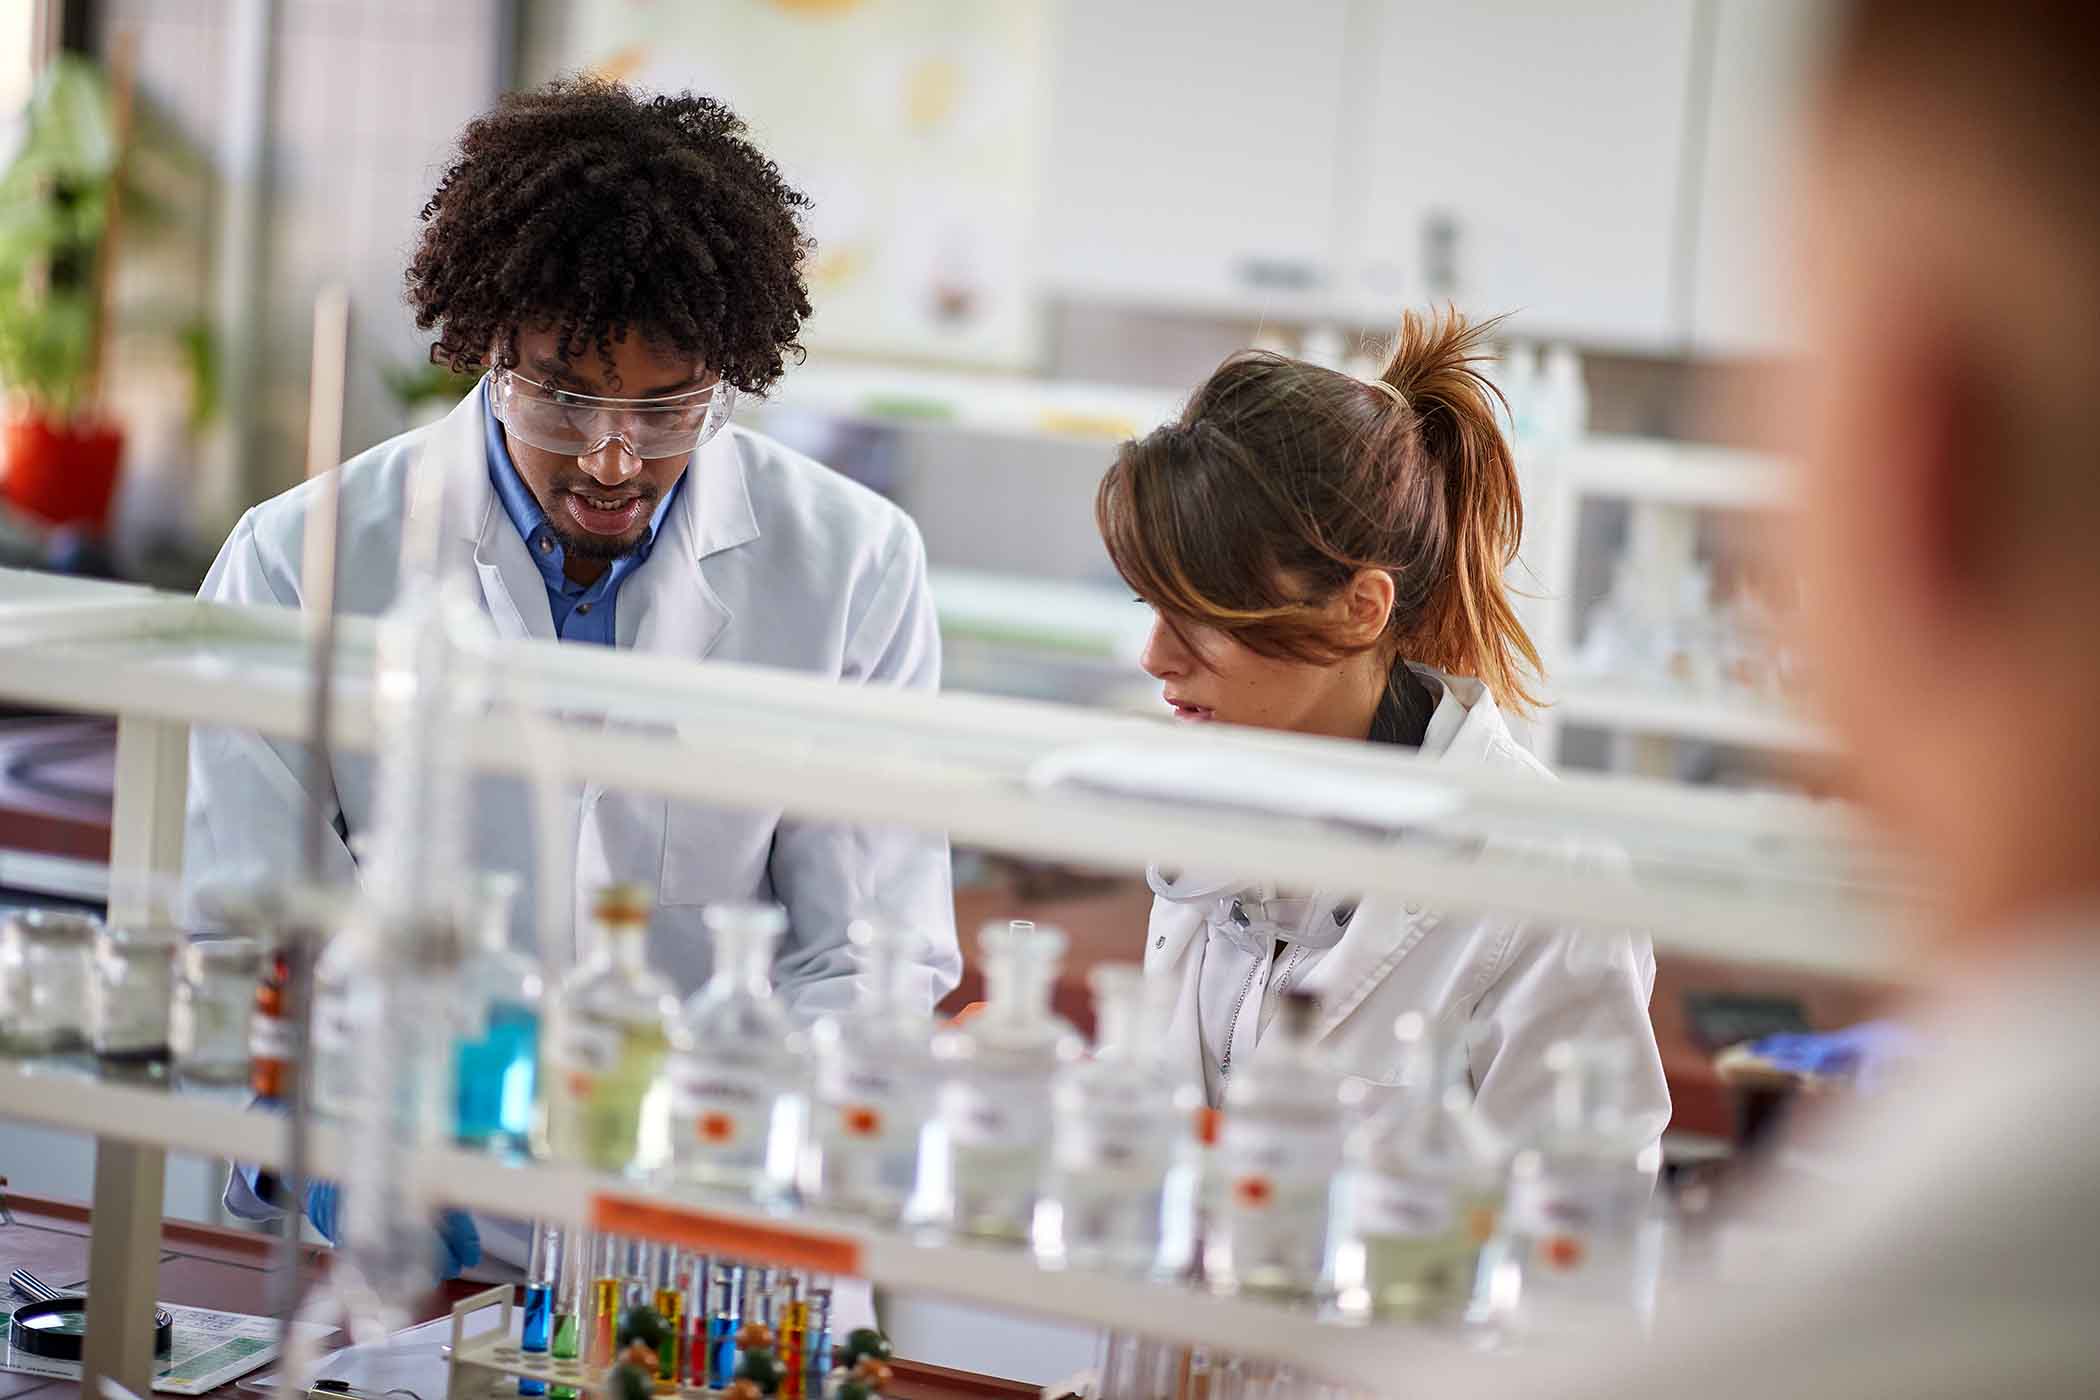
x: 670, y: 1306
x: 816, y: 1339
x: 571, y: 1281
x: 693, y: 1274
x: 607, y: 1294
x: 539, y: 1299
x: 794, y: 1332
x: 725, y: 1314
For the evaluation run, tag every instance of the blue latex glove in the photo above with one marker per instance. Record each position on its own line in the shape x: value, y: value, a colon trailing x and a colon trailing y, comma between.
x: 321, y: 1208
x: 1864, y: 1054
x: 459, y: 1243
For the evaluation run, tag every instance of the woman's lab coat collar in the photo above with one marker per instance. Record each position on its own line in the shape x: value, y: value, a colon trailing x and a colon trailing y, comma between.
x: 713, y: 513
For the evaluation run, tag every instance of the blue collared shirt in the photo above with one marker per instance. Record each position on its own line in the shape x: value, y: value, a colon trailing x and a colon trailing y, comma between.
x: 580, y: 614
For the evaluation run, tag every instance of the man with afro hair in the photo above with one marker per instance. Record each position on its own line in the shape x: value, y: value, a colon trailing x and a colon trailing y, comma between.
x: 619, y: 267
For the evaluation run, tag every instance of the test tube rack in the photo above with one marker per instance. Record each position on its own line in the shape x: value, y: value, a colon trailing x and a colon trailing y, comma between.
x: 487, y: 1363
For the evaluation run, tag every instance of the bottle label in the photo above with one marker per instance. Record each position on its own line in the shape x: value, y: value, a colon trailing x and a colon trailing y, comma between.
x: 1262, y: 1161
x: 335, y: 1026
x: 1111, y: 1143
x: 716, y: 1111
x: 1384, y: 1205
x: 975, y: 1118
x: 1562, y: 1218
x: 270, y: 1038
x: 584, y: 1048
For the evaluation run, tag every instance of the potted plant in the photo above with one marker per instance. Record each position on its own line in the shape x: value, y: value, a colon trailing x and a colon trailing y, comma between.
x: 59, y: 211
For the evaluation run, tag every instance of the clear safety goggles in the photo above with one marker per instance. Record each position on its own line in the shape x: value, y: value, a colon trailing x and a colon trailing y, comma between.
x: 576, y: 425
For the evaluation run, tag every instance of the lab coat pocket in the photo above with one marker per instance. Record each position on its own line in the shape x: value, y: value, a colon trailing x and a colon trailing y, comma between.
x: 714, y: 853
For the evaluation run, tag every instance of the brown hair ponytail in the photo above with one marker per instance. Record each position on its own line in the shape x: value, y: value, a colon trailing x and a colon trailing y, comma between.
x: 1282, y: 479
x: 1470, y: 628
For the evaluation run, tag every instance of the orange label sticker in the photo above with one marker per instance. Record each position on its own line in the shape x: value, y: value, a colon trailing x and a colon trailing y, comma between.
x: 581, y: 1084
x: 1480, y: 1224
x: 1253, y: 1192
x: 714, y: 1233
x: 862, y: 1121
x: 1562, y: 1251
x: 717, y: 1127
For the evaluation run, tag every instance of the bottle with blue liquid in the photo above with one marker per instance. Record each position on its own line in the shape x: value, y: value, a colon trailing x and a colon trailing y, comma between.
x: 725, y: 1315
x: 497, y: 1055
x: 540, y: 1273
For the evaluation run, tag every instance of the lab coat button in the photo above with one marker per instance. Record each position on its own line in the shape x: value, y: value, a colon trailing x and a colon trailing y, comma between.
x: 546, y: 545
x: 585, y: 609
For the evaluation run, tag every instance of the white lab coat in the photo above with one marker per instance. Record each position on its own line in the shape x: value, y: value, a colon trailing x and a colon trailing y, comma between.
x: 1521, y: 983
x: 766, y: 557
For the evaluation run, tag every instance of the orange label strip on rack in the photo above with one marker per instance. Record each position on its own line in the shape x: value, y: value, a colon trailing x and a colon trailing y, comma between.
x: 698, y: 1228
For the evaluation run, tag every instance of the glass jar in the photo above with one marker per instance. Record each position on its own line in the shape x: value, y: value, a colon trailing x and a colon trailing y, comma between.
x: 214, y: 1002
x: 131, y: 993
x: 45, y: 955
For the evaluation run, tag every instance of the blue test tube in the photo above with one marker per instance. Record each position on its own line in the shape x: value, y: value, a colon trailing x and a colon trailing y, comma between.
x: 539, y: 1299
x: 725, y: 1314
x: 817, y: 1340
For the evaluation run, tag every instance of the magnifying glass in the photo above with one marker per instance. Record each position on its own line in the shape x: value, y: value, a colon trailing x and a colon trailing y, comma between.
x: 54, y: 1324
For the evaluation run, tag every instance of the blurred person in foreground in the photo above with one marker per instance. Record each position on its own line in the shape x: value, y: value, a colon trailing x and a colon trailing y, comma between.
x: 1950, y: 553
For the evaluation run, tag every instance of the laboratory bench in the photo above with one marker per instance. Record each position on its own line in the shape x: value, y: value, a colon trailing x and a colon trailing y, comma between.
x: 206, y: 1266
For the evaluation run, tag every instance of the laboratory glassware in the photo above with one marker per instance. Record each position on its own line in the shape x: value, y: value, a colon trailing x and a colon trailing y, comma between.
x: 608, y: 1035
x: 725, y: 1315
x: 737, y: 1065
x: 981, y: 1154
x: 608, y: 1295
x: 214, y: 1004
x: 873, y: 1077
x: 1420, y: 1190
x: 270, y: 1043
x: 344, y: 1007
x: 132, y: 993
x: 495, y: 1063
x: 790, y: 1346
x: 1113, y: 1139
x: 669, y: 1301
x: 541, y: 1273
x: 46, y: 959
x: 817, y: 1337
x: 1278, y: 1152
x: 1578, y: 1199
x: 571, y: 1303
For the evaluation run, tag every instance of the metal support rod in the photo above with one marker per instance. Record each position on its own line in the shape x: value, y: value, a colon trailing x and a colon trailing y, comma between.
x: 123, y: 1266
x: 324, y: 446
x: 152, y: 779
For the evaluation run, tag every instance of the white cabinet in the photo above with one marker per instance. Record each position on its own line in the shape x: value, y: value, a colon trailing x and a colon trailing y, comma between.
x: 1763, y: 53
x: 1192, y: 150
x: 1526, y: 156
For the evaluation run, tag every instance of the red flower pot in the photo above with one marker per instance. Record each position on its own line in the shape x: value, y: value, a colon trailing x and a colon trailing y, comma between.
x: 61, y: 473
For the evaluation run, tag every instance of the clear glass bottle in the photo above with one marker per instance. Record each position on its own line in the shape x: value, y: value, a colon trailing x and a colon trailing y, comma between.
x: 981, y: 1154
x: 1113, y: 1131
x: 1420, y: 1192
x: 737, y: 1065
x: 1278, y: 1152
x: 1578, y: 1199
x: 608, y: 1035
x: 46, y: 960
x: 345, y: 1008
x: 496, y: 1058
x: 873, y: 1078
x: 132, y: 993
x: 208, y: 1025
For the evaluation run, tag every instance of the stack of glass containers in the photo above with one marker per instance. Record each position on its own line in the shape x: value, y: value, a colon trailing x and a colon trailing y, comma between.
x: 1278, y: 1153
x: 608, y: 1038
x: 1419, y: 1194
x: 981, y: 1153
x: 737, y: 1066
x: 872, y: 1087
x: 1114, y: 1137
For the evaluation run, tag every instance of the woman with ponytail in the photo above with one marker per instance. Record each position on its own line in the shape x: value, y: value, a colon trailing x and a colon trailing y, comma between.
x: 1325, y: 555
